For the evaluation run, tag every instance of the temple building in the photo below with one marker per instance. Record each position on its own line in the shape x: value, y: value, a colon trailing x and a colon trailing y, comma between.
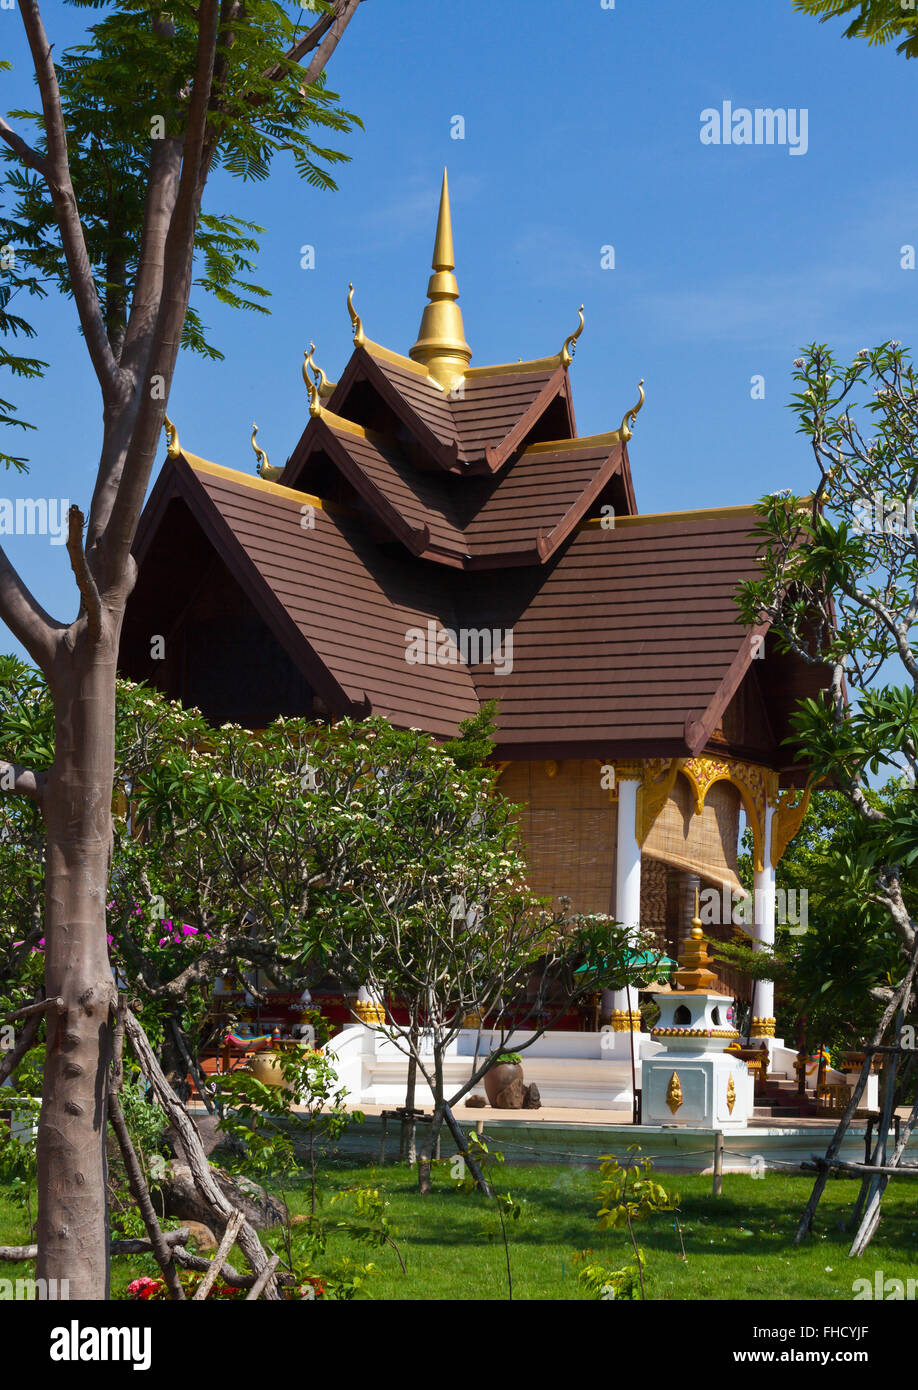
x: 441, y: 536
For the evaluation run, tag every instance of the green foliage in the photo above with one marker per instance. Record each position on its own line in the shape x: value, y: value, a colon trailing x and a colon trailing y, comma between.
x: 827, y: 973
x: 877, y: 21
x: 838, y: 581
x: 125, y: 95
x: 627, y: 1194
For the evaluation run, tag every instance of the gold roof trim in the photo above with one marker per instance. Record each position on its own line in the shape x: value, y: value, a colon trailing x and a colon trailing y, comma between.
x: 388, y: 355
x: 653, y: 518
x: 217, y: 470
x: 585, y: 441
x: 535, y: 364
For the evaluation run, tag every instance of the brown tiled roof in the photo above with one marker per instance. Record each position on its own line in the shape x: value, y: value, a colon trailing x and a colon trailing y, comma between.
x: 481, y: 424
x: 350, y: 604
x: 525, y: 512
x: 625, y: 640
x: 540, y: 491
x: 632, y: 636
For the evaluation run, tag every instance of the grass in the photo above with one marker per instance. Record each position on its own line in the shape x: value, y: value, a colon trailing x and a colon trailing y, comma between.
x: 738, y: 1246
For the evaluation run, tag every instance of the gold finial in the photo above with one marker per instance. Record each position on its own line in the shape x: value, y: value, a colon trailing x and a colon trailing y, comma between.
x: 356, y: 320
x: 312, y: 385
x: 570, y: 343
x: 632, y: 414
x: 259, y: 453
x: 325, y: 387
x: 172, y: 439
x: 441, y: 345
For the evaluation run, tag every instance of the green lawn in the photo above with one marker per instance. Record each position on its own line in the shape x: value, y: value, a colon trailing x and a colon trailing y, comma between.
x: 738, y: 1246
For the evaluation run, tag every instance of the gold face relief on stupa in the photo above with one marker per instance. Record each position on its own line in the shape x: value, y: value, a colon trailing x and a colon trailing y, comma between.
x: 674, y: 1092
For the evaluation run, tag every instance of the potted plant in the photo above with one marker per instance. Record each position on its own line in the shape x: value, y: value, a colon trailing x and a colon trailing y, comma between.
x: 503, y: 1071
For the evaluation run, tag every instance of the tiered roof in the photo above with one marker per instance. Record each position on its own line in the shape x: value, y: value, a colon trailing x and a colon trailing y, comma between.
x: 460, y: 498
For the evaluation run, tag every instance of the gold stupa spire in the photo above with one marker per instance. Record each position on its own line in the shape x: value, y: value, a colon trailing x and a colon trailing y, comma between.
x: 441, y: 345
x: 694, y: 971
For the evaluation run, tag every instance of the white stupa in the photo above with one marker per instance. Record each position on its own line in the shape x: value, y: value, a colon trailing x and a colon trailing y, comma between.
x: 694, y: 1081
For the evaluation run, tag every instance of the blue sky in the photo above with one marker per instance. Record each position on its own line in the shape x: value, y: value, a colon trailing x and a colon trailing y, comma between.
x: 582, y: 130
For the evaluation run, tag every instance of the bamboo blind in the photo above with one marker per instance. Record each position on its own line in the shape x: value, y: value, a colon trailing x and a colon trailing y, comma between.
x: 705, y: 845
x: 568, y: 824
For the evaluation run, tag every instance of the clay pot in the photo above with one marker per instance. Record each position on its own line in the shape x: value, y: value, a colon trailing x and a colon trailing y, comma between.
x: 266, y: 1068
x: 499, y: 1077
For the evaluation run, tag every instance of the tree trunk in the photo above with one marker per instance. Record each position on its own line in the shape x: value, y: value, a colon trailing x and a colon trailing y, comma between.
x: 73, y: 1239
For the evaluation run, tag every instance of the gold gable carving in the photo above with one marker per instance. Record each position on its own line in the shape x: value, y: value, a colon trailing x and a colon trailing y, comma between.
x: 791, y: 808
x: 757, y: 785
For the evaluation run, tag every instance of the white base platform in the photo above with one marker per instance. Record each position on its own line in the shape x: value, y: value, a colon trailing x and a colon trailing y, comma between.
x: 571, y: 1070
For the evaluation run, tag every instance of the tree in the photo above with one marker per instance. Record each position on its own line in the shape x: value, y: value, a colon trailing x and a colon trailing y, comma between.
x: 877, y: 21
x: 832, y: 966
x: 110, y: 209
x: 445, y: 925
x: 839, y: 584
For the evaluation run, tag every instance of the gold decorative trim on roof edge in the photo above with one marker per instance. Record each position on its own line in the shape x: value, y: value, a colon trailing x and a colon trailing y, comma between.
x: 399, y: 360
x: 535, y: 364
x: 217, y: 470
x: 585, y: 441
x: 656, y: 518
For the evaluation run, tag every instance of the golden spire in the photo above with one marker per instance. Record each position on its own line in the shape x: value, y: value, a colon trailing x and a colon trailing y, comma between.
x: 694, y: 967
x: 441, y: 345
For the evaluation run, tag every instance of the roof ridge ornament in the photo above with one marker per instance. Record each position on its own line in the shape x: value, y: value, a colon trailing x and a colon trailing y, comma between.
x: 312, y: 383
x: 356, y: 320
x: 570, y: 343
x: 441, y: 345
x: 632, y: 414
x: 173, y: 449
x: 263, y: 467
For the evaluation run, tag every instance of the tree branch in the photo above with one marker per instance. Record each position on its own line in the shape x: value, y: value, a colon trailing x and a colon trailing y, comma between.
x: 165, y: 338
x: 85, y: 582
x: 25, y: 152
x: 38, y: 632
x: 16, y: 780
x: 60, y: 186
x: 344, y: 13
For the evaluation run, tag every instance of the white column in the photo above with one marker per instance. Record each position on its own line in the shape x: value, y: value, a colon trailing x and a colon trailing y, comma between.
x: 627, y: 886
x: 763, y: 1005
